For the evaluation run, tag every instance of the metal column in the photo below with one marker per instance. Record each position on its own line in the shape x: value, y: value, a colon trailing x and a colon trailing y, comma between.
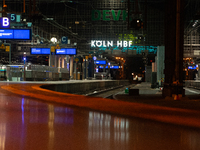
x: 71, y: 66
x: 63, y: 61
x: 174, y: 31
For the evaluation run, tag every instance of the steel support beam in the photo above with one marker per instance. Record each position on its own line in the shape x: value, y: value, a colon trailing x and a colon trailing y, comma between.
x: 174, y: 33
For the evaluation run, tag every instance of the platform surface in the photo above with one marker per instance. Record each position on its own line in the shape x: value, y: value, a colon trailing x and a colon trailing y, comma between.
x: 35, y: 118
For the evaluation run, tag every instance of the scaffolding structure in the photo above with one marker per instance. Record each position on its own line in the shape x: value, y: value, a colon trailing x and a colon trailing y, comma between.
x: 192, y: 43
x: 74, y: 19
x: 87, y: 29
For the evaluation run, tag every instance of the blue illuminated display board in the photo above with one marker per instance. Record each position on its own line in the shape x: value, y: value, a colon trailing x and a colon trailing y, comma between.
x: 66, y: 51
x: 111, y: 67
x: 15, y: 34
x: 192, y: 67
x: 40, y: 51
x: 21, y: 34
x: 101, y: 67
x: 114, y: 67
x: 6, y: 34
x: 100, y: 62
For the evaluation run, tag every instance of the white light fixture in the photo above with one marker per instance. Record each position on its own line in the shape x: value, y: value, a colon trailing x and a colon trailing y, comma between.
x: 54, y: 40
x: 76, y: 22
x: 49, y: 18
x: 195, y: 23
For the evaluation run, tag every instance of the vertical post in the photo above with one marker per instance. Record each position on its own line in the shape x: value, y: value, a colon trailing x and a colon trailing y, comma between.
x: 76, y: 64
x: 81, y: 72
x: 85, y: 68
x: 34, y: 4
x: 24, y: 66
x: 55, y: 62
x: 145, y: 15
x: 4, y: 13
x: 1, y: 8
x: 30, y: 8
x: 177, y: 40
x: 63, y: 62
x: 24, y: 7
x: 8, y: 44
x: 50, y: 58
x: 128, y: 14
x: 58, y: 62
x: 9, y: 53
x: 122, y: 69
x: 71, y: 65
x: 174, y: 31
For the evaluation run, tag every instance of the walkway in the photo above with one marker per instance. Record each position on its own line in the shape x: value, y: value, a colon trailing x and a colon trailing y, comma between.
x: 153, y: 107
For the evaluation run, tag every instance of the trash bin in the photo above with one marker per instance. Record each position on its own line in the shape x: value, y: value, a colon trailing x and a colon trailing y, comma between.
x: 126, y: 90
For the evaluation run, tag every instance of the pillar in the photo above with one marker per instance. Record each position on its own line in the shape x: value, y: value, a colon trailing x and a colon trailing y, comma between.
x: 160, y: 60
x: 174, y: 33
x: 49, y: 60
x: 85, y: 68
x: 109, y: 74
x: 59, y: 58
x: 0, y: 10
x: 63, y: 61
x: 55, y: 60
x: 75, y: 70
x: 104, y: 68
x: 90, y: 67
x: 67, y: 62
x: 71, y: 66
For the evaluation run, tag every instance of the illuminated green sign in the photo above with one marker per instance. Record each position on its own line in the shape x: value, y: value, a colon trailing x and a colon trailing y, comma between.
x: 138, y: 48
x: 107, y: 15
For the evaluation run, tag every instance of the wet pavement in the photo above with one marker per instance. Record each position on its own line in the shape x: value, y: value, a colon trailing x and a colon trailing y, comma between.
x: 33, y: 119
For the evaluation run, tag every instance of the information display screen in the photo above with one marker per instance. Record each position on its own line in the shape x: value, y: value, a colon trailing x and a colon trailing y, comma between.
x: 192, y: 67
x: 111, y: 67
x: 66, y: 51
x: 21, y: 34
x: 100, y: 62
x: 15, y: 34
x: 40, y: 51
x: 114, y: 67
x: 6, y: 34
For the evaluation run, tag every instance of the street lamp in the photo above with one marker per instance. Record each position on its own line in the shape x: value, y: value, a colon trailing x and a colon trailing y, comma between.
x: 53, y: 40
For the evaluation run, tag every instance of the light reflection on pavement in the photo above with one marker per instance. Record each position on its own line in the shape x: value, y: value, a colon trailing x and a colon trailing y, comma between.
x: 32, y: 125
x: 28, y: 124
